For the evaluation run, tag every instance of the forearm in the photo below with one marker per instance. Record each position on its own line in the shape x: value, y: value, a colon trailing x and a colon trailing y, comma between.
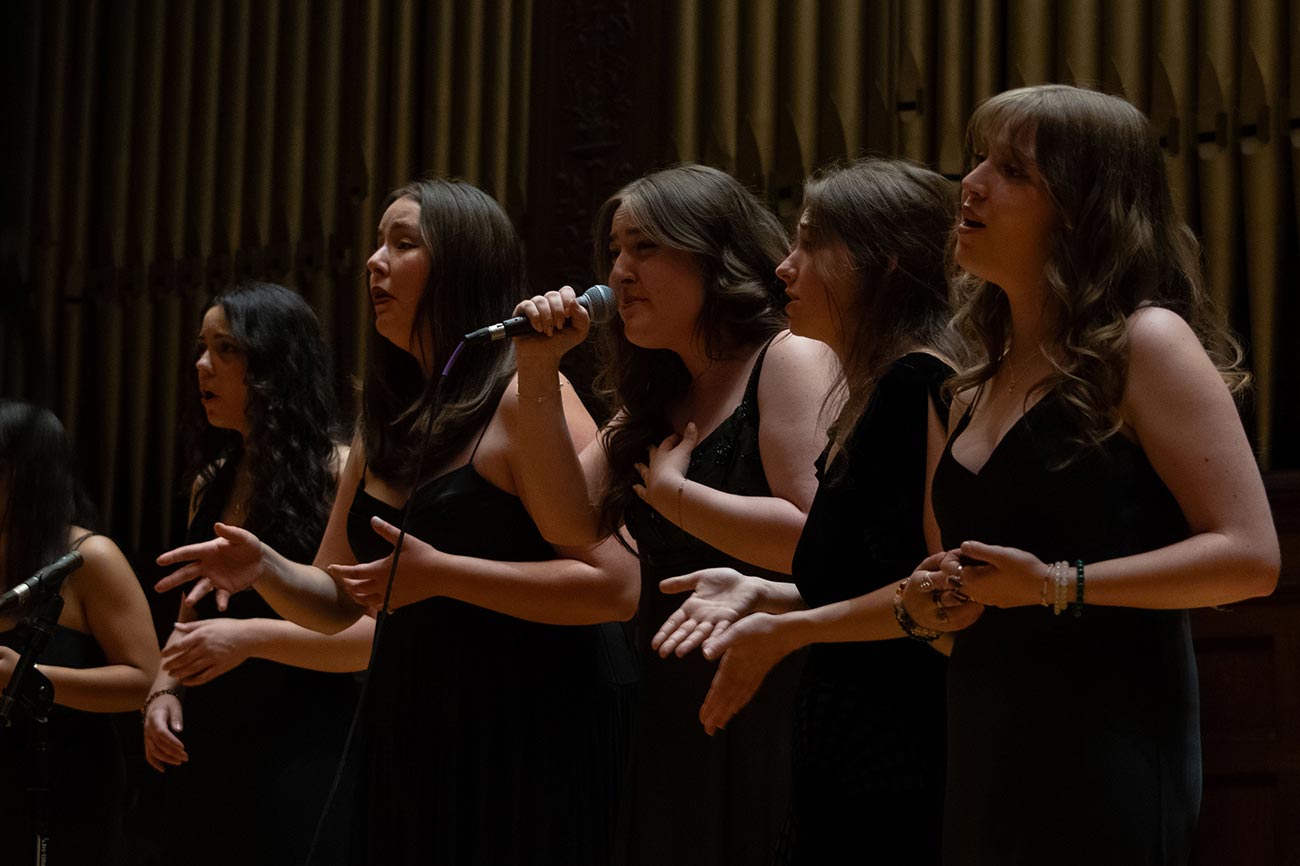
x: 305, y: 594
x: 558, y: 591
x: 760, y: 530
x: 550, y: 474
x: 108, y: 689
x: 1205, y: 570
x: 287, y: 643
x: 864, y: 618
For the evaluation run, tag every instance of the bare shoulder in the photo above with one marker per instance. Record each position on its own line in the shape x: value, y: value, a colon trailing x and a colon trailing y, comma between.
x: 103, y: 562
x: 796, y: 364
x: 1164, y: 352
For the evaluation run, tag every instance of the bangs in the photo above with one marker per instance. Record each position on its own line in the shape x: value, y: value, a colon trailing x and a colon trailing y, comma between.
x: 1006, y: 123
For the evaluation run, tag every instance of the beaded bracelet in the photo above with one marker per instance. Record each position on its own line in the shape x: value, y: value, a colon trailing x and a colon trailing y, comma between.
x: 175, y: 692
x: 1078, y: 593
x: 909, y: 625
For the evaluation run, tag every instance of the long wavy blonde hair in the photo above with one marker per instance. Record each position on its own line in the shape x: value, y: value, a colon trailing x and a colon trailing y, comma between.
x: 1118, y: 246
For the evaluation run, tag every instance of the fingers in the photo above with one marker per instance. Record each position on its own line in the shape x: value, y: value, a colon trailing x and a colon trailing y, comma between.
x: 223, y: 599
x: 201, y: 589
x: 672, y: 440
x: 162, y: 748
x: 718, y: 643
x: 182, y: 554
x: 678, y: 634
x: 680, y: 583
x: 642, y: 470
x: 363, y: 592
x: 205, y: 675
x: 690, y: 436
x: 550, y: 312
x: 989, y: 553
x: 385, y: 530
x: 178, y: 577
x: 726, y: 697
x: 696, y: 637
x: 236, y: 534
x: 670, y: 625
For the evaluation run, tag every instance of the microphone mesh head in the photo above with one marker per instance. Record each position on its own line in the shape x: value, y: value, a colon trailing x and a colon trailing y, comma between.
x: 600, y: 304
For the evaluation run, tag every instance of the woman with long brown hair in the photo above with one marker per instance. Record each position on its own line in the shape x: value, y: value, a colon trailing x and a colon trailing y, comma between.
x: 1098, y: 482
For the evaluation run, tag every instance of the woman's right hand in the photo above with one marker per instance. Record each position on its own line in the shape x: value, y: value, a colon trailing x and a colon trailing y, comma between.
x: 936, y: 601
x: 560, y: 318
x: 163, y: 721
x: 719, y: 597
x: 229, y: 563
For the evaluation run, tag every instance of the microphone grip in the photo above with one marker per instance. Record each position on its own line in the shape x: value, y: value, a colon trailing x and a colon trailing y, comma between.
x: 598, y: 300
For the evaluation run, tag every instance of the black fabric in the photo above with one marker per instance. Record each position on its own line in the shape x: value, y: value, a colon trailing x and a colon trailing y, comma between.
x: 697, y: 799
x: 869, y: 722
x: 486, y: 739
x: 86, y: 774
x: 1071, y: 740
x: 264, y: 741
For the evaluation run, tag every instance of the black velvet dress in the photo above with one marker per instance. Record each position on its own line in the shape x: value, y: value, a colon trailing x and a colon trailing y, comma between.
x: 1072, y: 741
x: 264, y: 741
x: 486, y: 739
x: 697, y: 799
x: 86, y: 774
x: 870, y: 717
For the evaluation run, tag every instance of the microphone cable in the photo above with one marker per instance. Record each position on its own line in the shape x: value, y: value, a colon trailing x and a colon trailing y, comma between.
x: 380, y: 619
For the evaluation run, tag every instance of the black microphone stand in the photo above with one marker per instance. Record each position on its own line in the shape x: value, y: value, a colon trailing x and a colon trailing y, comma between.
x: 30, y: 689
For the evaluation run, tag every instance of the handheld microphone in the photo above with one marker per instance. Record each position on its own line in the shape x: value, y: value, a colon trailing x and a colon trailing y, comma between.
x: 41, y: 583
x: 598, y: 301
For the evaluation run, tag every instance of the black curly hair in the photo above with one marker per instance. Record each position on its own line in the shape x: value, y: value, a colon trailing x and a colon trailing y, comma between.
x: 291, y: 411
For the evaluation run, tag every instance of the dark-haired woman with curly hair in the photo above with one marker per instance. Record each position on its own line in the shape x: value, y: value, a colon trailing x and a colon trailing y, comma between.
x: 1098, y: 483
x: 708, y: 460
x: 100, y: 657
x: 494, y: 725
x: 244, y: 697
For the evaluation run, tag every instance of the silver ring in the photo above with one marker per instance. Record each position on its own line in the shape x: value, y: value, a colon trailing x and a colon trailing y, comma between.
x: 926, y: 583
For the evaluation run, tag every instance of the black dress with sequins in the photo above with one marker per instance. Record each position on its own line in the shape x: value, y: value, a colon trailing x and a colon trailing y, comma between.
x: 1072, y: 741
x: 697, y: 799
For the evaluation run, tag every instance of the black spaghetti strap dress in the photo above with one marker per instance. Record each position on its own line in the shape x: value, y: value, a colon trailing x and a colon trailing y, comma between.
x: 869, y: 719
x: 86, y: 770
x: 487, y: 740
x: 264, y: 741
x: 1072, y: 741
x: 697, y: 799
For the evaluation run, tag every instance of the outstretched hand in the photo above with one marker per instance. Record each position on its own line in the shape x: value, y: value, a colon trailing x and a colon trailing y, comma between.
x: 719, y: 597
x: 663, y: 476
x: 749, y: 649
x: 229, y: 563
x: 415, y: 580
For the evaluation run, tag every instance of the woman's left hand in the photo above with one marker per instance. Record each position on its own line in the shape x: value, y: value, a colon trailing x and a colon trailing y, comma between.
x: 8, y: 660
x: 1007, y: 577
x: 750, y: 648
x: 663, y: 477
x: 200, y: 651
x: 416, y: 574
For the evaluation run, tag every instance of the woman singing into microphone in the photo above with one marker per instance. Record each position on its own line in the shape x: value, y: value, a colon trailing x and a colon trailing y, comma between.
x: 495, y: 723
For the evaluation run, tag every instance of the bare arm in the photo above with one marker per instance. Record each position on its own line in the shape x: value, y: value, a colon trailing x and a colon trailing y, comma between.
x: 1181, y: 413
x: 762, y: 530
x: 305, y: 594
x: 117, y: 617
x: 585, y: 585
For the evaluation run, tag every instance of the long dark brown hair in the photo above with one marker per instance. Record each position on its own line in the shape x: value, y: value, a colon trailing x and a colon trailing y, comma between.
x: 476, y: 275
x: 1118, y: 246
x: 893, y: 218
x: 291, y: 411
x: 736, y: 243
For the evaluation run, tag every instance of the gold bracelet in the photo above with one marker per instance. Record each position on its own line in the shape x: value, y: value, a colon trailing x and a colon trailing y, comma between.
x: 681, y: 521
x: 541, y: 399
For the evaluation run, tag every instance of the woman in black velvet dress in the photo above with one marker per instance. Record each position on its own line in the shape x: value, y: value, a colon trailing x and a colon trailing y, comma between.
x: 265, y: 459
x: 708, y: 461
x: 866, y: 276
x: 99, y: 659
x: 494, y: 726
x: 1099, y: 468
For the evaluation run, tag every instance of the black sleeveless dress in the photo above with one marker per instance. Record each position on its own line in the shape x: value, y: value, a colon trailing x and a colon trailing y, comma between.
x: 486, y: 739
x: 264, y: 742
x: 869, y: 717
x: 86, y: 770
x: 1071, y: 740
x: 697, y: 799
